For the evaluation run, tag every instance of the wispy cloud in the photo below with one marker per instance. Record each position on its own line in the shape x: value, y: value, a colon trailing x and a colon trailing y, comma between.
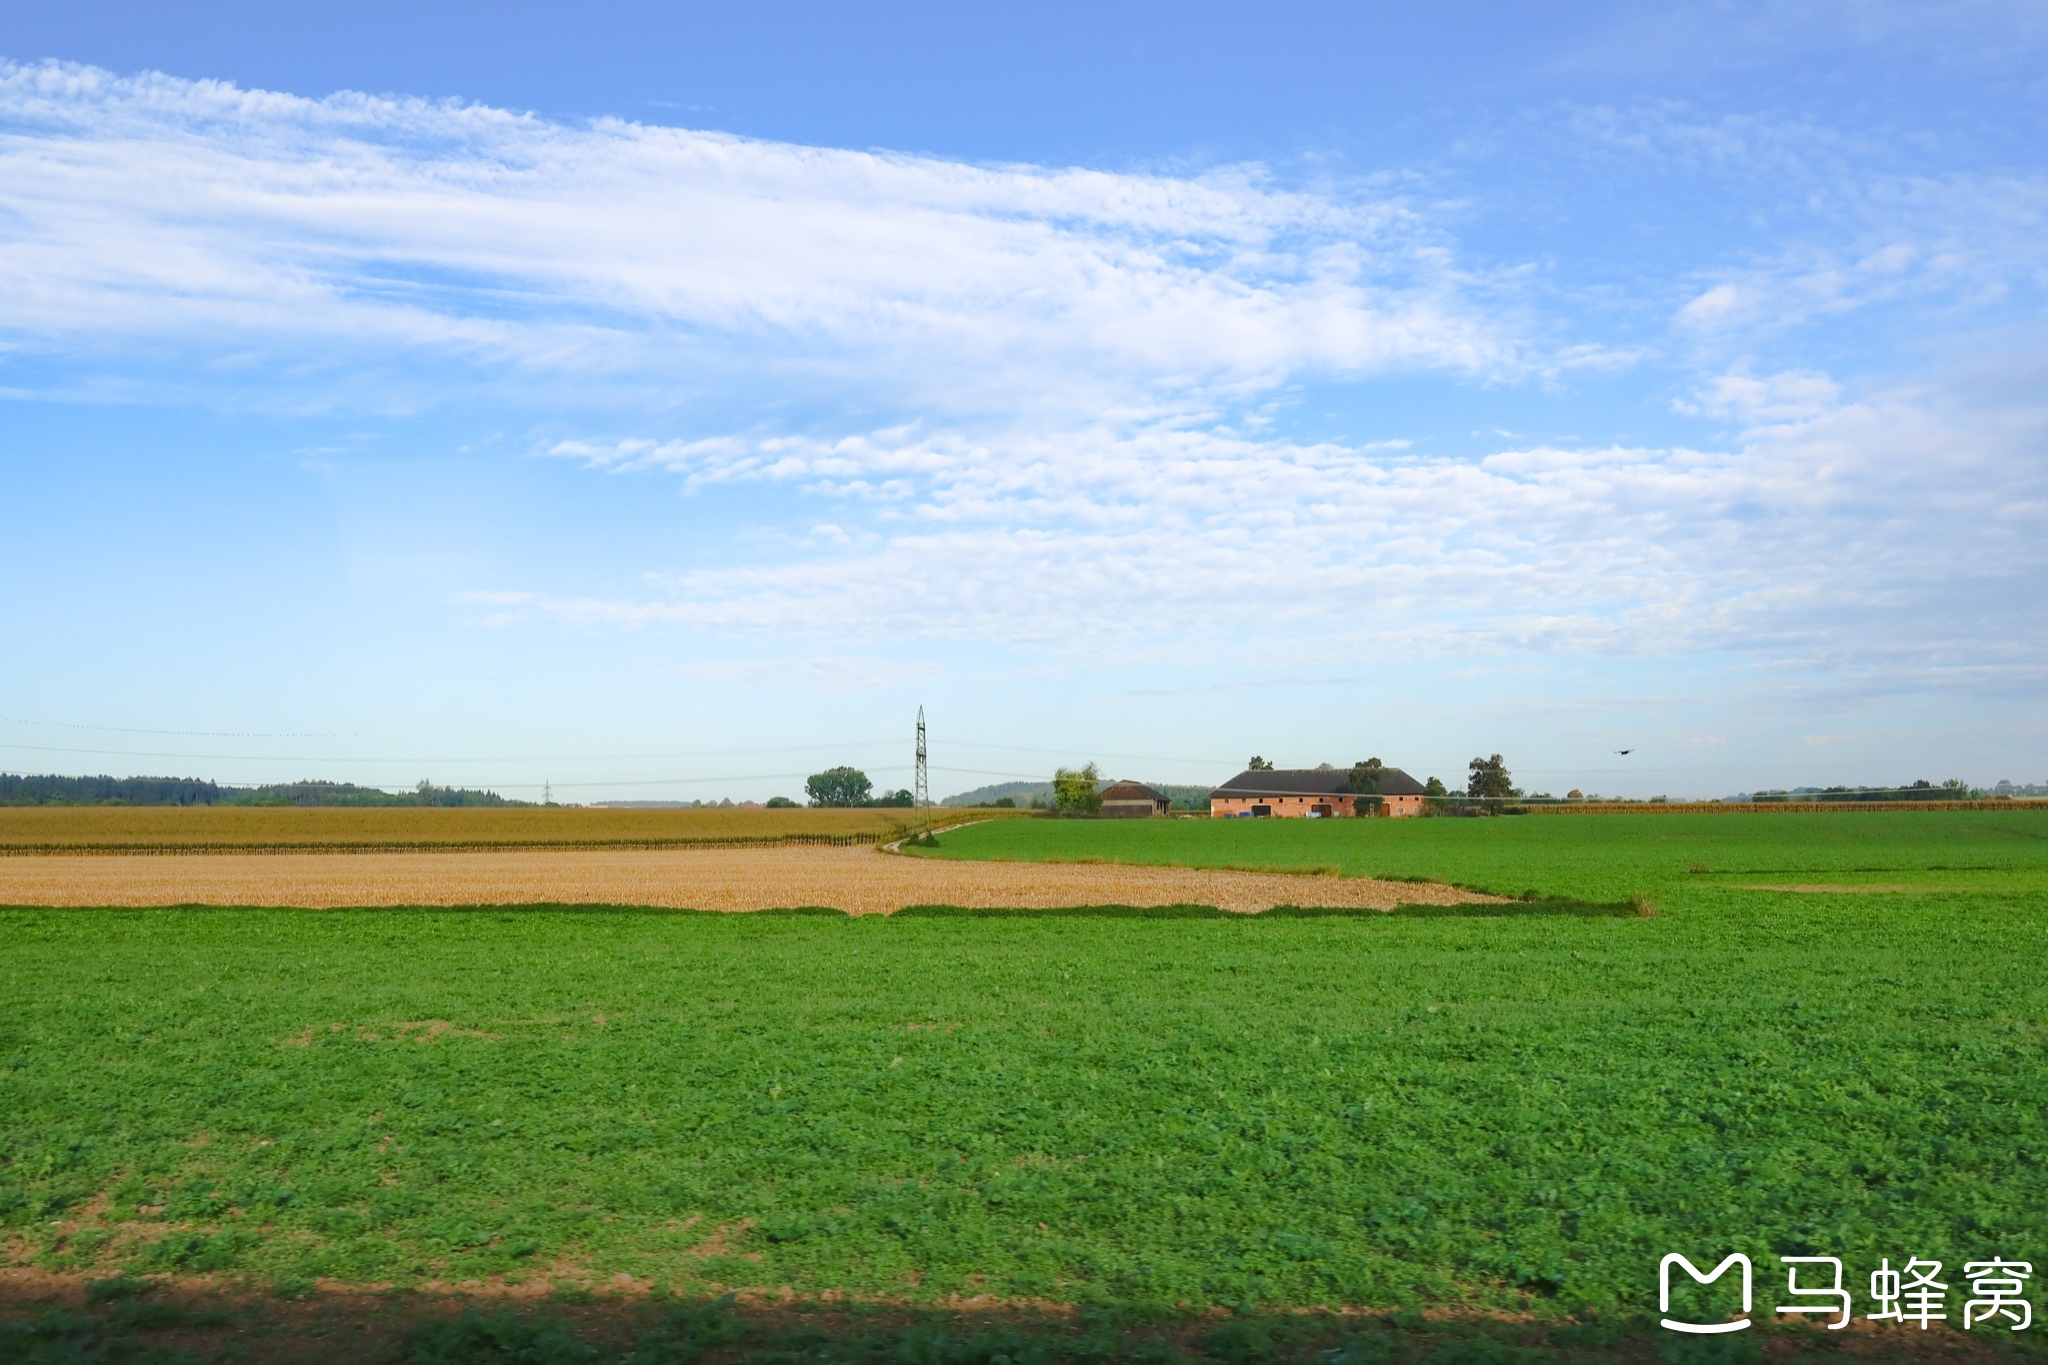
x: 1960, y: 244
x: 1800, y: 223
x: 153, y: 212
x: 1795, y: 395
x: 1838, y: 534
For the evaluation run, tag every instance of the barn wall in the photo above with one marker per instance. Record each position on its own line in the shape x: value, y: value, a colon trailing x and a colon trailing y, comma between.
x: 1130, y: 810
x: 1298, y: 807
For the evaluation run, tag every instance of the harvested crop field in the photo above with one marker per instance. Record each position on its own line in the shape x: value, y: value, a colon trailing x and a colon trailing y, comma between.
x: 859, y: 881
x: 224, y: 829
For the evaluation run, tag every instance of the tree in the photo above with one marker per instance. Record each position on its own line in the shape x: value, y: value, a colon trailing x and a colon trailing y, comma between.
x: 1434, y: 796
x: 1258, y: 765
x: 1365, y: 781
x: 780, y: 803
x: 1074, y: 790
x: 838, y: 787
x: 1490, y: 780
x: 900, y: 797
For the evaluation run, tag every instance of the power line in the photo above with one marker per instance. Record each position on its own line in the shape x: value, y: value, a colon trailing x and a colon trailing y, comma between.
x: 1070, y: 751
x: 196, y: 734
x: 549, y: 758
x: 768, y: 777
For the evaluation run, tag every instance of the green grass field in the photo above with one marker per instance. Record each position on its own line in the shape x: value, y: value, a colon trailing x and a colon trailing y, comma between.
x: 1594, y: 856
x: 1514, y: 1115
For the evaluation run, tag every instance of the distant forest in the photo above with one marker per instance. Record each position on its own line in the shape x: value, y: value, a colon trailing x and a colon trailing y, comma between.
x: 1955, y: 789
x: 28, y: 790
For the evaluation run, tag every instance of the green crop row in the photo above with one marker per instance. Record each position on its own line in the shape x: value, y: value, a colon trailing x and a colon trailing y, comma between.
x: 1593, y: 856
x: 1517, y: 1114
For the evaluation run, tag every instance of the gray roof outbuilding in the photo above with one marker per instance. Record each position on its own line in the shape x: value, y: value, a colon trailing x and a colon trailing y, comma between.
x: 1314, y: 782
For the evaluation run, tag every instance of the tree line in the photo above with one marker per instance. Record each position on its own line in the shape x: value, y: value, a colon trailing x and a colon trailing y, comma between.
x: 51, y: 789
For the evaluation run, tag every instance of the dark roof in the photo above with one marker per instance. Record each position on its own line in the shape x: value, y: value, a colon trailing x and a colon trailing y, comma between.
x: 1314, y: 782
x: 1131, y: 791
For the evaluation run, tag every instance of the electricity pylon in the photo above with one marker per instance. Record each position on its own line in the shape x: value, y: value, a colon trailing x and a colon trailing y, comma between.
x: 922, y: 798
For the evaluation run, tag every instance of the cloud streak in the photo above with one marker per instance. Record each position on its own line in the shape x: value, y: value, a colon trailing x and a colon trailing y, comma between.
x: 153, y: 211
x: 1837, y: 535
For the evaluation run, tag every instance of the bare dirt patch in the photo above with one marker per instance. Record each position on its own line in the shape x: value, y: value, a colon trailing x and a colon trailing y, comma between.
x: 217, y: 1318
x: 859, y: 881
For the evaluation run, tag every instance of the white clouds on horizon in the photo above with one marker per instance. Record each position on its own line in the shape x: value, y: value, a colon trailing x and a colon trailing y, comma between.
x: 1840, y: 535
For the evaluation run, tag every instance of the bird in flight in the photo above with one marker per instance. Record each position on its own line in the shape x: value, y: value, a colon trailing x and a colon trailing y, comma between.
x: 1624, y: 751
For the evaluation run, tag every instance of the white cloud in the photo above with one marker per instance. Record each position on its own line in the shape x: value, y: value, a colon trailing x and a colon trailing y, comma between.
x: 153, y: 211
x: 1963, y: 241
x: 1793, y: 395
x: 1800, y: 224
x: 1717, y: 307
x: 1840, y: 535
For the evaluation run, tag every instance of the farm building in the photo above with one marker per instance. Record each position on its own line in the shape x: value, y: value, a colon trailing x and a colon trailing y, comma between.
x: 1312, y: 793
x: 1133, y: 799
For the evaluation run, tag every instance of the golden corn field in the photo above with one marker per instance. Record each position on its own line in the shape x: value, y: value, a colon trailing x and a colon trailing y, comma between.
x: 235, y: 828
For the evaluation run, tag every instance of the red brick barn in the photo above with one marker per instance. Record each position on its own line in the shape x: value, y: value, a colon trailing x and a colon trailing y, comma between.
x: 1311, y: 793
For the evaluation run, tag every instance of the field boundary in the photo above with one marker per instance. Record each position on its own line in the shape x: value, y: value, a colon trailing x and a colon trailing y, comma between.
x: 450, y: 846
x: 580, y: 1316
x: 1766, y: 807
x: 895, y: 845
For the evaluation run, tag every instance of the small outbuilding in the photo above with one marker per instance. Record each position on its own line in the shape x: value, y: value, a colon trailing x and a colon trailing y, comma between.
x: 1133, y: 800
x: 1312, y: 793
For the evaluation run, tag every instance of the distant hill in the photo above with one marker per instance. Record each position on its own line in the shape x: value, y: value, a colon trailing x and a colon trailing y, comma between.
x: 1954, y: 789
x: 53, y: 790
x: 1183, y: 796
x: 1020, y: 792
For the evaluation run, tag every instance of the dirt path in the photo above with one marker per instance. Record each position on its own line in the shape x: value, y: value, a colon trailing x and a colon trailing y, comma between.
x: 858, y: 880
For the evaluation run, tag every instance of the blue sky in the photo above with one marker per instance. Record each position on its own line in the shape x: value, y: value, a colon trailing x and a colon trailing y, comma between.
x: 665, y: 401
